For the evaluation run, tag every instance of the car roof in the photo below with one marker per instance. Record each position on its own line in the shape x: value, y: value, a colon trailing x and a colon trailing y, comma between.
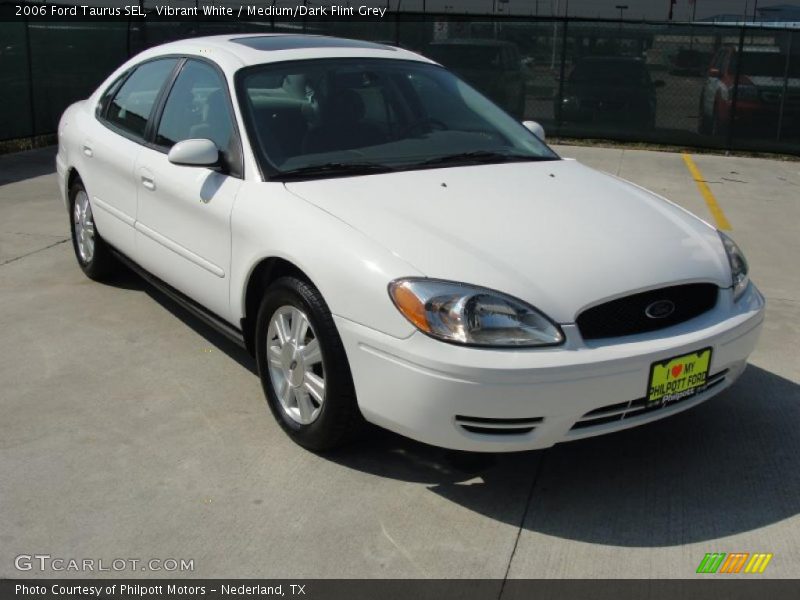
x: 234, y: 51
x: 473, y: 42
x: 619, y: 59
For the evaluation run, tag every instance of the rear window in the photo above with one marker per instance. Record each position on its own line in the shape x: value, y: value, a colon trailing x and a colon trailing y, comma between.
x: 612, y: 72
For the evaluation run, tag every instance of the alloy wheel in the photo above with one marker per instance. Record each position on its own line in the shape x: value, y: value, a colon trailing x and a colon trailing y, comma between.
x: 295, y: 364
x: 84, y: 227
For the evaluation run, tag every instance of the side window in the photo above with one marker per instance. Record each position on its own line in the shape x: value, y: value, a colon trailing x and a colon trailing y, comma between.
x: 100, y: 109
x: 131, y: 107
x: 197, y: 107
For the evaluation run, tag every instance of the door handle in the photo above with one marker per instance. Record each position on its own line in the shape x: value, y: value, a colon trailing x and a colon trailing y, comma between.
x: 148, y: 183
x: 87, y: 150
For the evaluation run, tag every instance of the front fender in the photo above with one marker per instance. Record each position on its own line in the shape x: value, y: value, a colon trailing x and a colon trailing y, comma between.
x: 350, y: 270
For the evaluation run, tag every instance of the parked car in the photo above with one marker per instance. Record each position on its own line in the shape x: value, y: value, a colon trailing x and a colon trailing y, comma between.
x: 394, y: 248
x: 762, y: 76
x: 614, y: 91
x: 492, y: 66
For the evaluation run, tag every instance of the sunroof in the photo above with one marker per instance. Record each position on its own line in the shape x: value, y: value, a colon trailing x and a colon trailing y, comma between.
x: 292, y: 42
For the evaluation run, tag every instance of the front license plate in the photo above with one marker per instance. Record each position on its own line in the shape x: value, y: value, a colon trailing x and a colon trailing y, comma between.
x: 678, y: 378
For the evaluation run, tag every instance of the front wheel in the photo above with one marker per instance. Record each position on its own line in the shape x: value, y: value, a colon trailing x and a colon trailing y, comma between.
x: 303, y: 367
x: 93, y: 254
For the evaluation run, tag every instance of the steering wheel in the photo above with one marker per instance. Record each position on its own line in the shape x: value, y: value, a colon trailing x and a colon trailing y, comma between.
x: 430, y: 121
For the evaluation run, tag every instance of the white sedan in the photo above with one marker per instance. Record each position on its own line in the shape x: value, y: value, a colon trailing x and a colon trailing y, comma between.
x: 393, y: 248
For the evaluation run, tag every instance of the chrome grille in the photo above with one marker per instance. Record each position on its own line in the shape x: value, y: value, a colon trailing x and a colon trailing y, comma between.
x: 628, y: 315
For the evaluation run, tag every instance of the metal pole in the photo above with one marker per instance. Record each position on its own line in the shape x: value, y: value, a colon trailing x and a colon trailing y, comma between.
x: 561, y: 75
x: 30, y: 76
x: 621, y: 7
x: 736, y: 79
x: 785, y: 83
x: 555, y: 37
x: 397, y: 24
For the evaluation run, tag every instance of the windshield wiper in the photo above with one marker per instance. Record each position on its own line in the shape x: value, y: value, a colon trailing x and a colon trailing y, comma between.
x: 332, y: 169
x: 478, y: 157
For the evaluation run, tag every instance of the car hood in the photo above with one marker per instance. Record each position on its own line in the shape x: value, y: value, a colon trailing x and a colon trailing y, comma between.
x: 556, y: 234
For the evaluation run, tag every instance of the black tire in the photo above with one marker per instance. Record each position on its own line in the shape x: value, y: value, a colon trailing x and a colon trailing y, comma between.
x: 101, y: 263
x: 339, y: 421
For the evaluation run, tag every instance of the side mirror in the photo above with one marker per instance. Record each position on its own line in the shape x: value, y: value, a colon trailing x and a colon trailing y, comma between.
x: 535, y: 129
x: 713, y: 72
x: 194, y: 153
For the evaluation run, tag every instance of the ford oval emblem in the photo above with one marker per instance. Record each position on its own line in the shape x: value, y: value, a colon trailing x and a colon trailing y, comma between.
x: 660, y: 309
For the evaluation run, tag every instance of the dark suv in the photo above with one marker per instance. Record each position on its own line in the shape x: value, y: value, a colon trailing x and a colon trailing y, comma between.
x: 609, y: 90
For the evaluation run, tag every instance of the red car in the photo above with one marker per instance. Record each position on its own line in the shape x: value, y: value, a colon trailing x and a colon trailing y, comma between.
x: 762, y: 78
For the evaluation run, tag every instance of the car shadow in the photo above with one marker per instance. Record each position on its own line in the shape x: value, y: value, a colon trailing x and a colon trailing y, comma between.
x: 725, y: 467
x: 124, y: 278
x: 28, y: 164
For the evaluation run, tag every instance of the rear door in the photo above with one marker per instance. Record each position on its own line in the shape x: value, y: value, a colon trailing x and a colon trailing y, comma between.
x: 111, y: 145
x: 183, y: 216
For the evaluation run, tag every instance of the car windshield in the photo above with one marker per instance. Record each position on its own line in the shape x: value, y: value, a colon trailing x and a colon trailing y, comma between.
x: 609, y: 72
x: 336, y: 116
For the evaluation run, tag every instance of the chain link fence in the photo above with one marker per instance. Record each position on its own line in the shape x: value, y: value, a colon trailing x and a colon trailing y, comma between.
x: 725, y: 86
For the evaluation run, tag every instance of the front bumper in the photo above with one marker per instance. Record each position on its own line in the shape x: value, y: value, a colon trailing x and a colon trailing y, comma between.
x: 490, y: 400
x: 61, y: 178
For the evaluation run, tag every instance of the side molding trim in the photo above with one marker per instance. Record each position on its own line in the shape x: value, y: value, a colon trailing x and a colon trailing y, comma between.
x: 212, y: 320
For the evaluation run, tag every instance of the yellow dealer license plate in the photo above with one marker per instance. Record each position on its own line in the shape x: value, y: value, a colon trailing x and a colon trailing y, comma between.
x: 678, y: 378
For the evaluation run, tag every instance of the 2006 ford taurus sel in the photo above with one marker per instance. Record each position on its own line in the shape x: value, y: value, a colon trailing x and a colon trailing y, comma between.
x: 392, y: 247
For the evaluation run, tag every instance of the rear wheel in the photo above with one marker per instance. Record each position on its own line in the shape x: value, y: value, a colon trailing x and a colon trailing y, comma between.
x: 93, y: 254
x: 303, y: 367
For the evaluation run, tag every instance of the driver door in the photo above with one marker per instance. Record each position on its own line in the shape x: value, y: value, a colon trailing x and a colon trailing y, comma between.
x: 183, y: 231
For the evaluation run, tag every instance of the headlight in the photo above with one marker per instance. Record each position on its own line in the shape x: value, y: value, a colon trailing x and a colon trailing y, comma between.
x: 469, y: 315
x: 739, y: 268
